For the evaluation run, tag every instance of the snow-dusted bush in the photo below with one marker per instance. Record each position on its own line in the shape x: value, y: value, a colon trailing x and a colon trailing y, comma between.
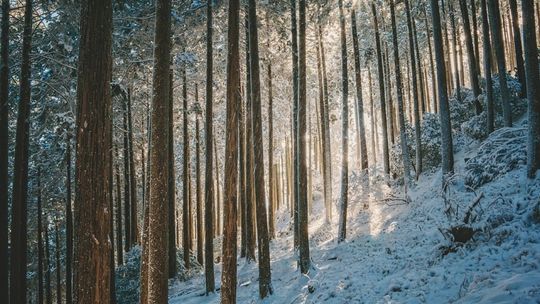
x: 461, y: 110
x: 503, y: 151
x: 476, y: 127
x: 431, y: 146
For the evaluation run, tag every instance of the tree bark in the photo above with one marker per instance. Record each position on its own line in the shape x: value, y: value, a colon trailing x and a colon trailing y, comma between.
x: 533, y: 83
x: 132, y: 177
x: 58, y: 266
x: 342, y: 233
x: 517, y: 46
x: 228, y: 275
x: 444, y: 109
x: 271, y: 196
x: 119, y: 248
x: 127, y: 179
x: 171, y: 182
x: 487, y: 69
x: 4, y: 152
x: 498, y: 44
x: 265, y: 284
x: 69, y: 225
x: 386, y: 155
x: 92, y: 215
x: 186, y: 213
x: 48, y: 291
x: 158, y: 229
x: 39, y: 240
x: 208, y: 184
x: 199, y: 198
x: 19, y: 215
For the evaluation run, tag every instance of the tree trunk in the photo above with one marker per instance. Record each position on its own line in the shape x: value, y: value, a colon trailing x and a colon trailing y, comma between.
x: 434, y: 91
x: 4, y: 153
x: 58, y: 266
x: 303, y: 216
x: 186, y: 213
x: 92, y: 215
x: 143, y: 296
x: 487, y: 69
x: 271, y: 196
x: 127, y: 187
x: 454, y: 51
x: 48, y: 291
x: 199, y: 190
x: 498, y: 45
x: 517, y: 46
x: 19, y: 215
x: 533, y: 83
x: 295, y: 136
x: 475, y: 36
x: 39, y: 239
x: 386, y: 155
x: 360, y: 103
x: 399, y: 92
x: 417, y: 131
x: 69, y: 225
x: 119, y: 248
x: 132, y: 177
x: 171, y: 182
x: 208, y: 184
x: 342, y: 233
x: 251, y: 199
x: 444, y: 109
x: 228, y: 275
x: 472, y: 60
x: 158, y: 229
x: 265, y: 284
x: 325, y: 124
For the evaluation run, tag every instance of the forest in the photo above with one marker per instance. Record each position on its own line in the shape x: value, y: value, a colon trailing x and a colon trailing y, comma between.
x: 275, y: 151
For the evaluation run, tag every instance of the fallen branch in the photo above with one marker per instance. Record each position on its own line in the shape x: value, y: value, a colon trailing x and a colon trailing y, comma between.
x: 473, y: 205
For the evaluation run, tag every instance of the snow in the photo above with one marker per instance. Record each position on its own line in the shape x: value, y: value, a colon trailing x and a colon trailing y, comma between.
x: 394, y: 250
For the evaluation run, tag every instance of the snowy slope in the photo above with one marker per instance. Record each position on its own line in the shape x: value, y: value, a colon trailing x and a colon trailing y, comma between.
x: 393, y: 250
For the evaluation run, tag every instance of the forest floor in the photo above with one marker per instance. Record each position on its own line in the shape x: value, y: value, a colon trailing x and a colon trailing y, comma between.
x: 396, y: 251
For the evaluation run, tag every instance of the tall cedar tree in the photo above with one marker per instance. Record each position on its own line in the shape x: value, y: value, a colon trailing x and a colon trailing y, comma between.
x: 399, y: 92
x: 118, y: 212
x: 159, y: 206
x: 294, y: 46
x: 94, y: 108
x: 359, y: 100
x: 132, y: 177
x: 4, y: 148
x: 186, y: 213
x: 303, y: 216
x: 444, y: 109
x: 533, y: 84
x: 198, y: 185
x: 69, y: 225
x: 127, y: 191
x: 517, y: 46
x: 208, y: 184
x: 487, y: 68
x: 386, y: 155
x: 415, y: 88
x: 39, y: 239
x: 271, y: 176
x: 48, y: 291
x: 471, y: 56
x: 228, y: 275
x: 325, y: 123
x: 344, y: 199
x: 171, y: 219
x: 19, y: 237
x: 59, y: 266
x: 265, y: 283
x: 498, y: 45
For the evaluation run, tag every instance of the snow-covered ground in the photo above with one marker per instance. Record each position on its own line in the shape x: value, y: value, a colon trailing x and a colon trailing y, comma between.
x: 394, y: 250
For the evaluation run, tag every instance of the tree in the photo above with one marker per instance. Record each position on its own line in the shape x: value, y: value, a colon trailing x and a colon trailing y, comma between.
x: 342, y: 232
x: 48, y: 291
x: 517, y: 46
x: 265, y: 283
x: 360, y: 104
x: 4, y: 148
x: 228, y: 275
x: 69, y: 225
x: 198, y: 183
x: 386, y: 155
x: 127, y: 179
x: 472, y: 59
x: 208, y: 184
x: 18, y: 261
x: 303, y: 216
x: 171, y: 181
x: 186, y: 213
x: 447, y: 153
x: 399, y: 88
x: 39, y: 240
x: 498, y: 45
x: 415, y: 87
x: 58, y: 265
x: 134, y: 233
x: 487, y: 68
x: 119, y: 248
x: 532, y: 75
x: 295, y: 67
x: 92, y: 217
x: 158, y: 203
